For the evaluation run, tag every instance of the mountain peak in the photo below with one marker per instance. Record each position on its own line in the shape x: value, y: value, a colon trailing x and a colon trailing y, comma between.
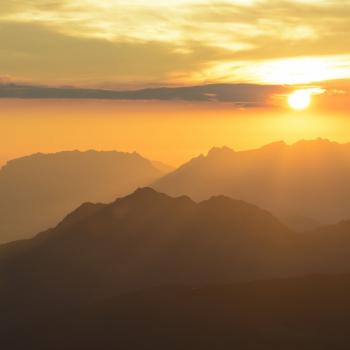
x: 275, y: 145
x: 143, y: 194
x: 81, y: 213
x: 316, y: 142
x: 219, y: 202
x: 145, y: 191
x: 221, y: 151
x: 307, y: 178
x: 148, y: 194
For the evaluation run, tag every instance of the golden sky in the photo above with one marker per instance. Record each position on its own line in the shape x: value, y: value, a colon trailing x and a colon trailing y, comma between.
x: 172, y: 132
x: 118, y: 43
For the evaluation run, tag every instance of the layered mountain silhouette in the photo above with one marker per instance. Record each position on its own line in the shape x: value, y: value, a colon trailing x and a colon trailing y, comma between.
x: 308, y: 178
x: 149, y: 239
x: 305, y: 184
x: 149, y: 271
x: 37, y: 191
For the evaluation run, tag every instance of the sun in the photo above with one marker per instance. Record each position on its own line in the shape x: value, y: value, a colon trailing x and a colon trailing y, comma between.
x: 300, y: 99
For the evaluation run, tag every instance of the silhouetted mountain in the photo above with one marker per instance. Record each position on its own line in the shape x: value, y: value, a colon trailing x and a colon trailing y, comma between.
x: 149, y: 239
x: 300, y: 223
x: 37, y: 191
x: 247, y: 95
x: 309, y: 178
x: 64, y: 289
x: 164, y: 168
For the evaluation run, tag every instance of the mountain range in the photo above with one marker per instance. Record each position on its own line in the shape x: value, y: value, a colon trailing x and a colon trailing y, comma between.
x: 149, y: 239
x: 152, y: 271
x: 37, y: 191
x: 305, y: 184
x: 306, y: 179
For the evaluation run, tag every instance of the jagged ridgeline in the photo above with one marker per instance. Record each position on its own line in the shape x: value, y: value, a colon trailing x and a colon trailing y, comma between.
x: 307, y: 179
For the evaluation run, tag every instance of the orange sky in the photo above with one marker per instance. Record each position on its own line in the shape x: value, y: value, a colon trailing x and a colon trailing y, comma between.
x: 118, y: 44
x: 170, y: 132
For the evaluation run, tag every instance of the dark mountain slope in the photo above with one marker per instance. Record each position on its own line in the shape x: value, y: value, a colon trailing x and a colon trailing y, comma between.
x: 307, y: 313
x: 148, y: 239
x: 81, y: 285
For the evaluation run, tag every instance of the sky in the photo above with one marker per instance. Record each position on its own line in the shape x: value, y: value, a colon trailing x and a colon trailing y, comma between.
x: 118, y: 43
x: 171, y: 132
x: 51, y: 51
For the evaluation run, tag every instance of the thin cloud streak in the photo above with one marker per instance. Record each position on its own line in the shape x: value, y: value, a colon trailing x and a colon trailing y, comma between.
x: 239, y: 95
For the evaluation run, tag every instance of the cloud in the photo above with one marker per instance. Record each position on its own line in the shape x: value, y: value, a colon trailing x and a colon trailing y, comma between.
x: 187, y: 41
x: 240, y: 95
x: 302, y: 28
x: 37, y: 52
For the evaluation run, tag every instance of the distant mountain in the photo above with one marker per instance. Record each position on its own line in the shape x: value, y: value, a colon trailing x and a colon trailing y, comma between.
x: 37, y: 191
x: 308, y: 178
x: 245, y: 95
x: 164, y: 168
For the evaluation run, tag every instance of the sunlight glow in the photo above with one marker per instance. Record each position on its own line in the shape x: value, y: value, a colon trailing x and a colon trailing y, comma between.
x: 301, y: 99
x: 303, y: 70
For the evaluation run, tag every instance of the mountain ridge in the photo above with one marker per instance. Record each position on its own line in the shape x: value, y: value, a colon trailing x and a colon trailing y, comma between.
x: 143, y: 239
x: 36, y: 191
x: 150, y: 261
x: 273, y: 177
x: 148, y: 238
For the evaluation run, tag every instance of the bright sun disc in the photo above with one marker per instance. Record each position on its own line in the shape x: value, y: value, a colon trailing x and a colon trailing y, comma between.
x: 299, y: 99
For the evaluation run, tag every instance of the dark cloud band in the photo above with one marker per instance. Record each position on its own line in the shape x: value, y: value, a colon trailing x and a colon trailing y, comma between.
x: 242, y: 95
